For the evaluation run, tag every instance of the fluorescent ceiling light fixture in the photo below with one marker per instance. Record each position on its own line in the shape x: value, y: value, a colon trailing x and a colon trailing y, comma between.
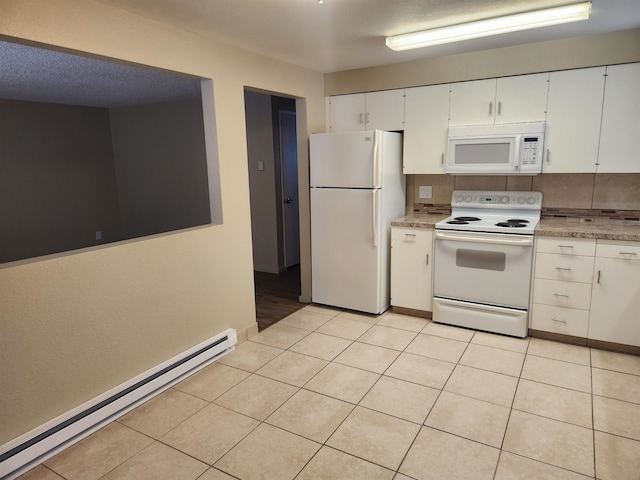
x: 491, y: 26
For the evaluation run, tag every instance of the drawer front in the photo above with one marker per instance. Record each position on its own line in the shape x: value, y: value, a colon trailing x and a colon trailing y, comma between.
x: 570, y: 268
x: 566, y: 246
x: 411, y: 235
x: 562, y: 294
x: 623, y: 251
x: 567, y: 321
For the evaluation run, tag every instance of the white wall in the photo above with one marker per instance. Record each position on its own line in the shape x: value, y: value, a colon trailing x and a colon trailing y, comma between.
x: 76, y: 325
x: 262, y: 184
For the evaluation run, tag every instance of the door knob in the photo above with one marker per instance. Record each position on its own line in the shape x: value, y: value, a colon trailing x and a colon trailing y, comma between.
x: 288, y: 200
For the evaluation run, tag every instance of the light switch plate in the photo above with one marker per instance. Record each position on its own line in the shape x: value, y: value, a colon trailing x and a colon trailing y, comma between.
x: 426, y: 191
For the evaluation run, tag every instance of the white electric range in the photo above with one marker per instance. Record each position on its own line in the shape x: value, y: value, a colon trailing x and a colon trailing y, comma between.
x: 483, y: 260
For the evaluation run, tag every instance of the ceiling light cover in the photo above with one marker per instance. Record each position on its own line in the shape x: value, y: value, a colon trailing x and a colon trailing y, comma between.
x: 491, y: 26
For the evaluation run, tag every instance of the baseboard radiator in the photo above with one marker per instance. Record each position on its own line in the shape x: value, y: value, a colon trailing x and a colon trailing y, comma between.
x: 32, y: 448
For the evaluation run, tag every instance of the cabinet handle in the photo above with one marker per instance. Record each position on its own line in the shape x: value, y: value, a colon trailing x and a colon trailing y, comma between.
x: 564, y: 269
x: 442, y: 158
x: 427, y: 261
x: 548, y: 156
x: 490, y: 108
x: 628, y: 253
x: 598, y: 281
x: 499, y: 108
x: 565, y: 246
x: 366, y: 117
x: 409, y: 234
x: 558, y: 320
x: 361, y: 118
x: 561, y: 295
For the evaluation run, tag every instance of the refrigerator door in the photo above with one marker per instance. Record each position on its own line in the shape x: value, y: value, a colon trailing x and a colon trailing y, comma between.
x: 345, y: 159
x: 346, y: 249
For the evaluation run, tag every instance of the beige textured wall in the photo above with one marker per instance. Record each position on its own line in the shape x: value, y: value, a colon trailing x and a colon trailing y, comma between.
x: 603, y: 49
x: 76, y: 325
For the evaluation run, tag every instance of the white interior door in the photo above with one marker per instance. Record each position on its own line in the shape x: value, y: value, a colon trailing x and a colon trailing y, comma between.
x: 345, y: 262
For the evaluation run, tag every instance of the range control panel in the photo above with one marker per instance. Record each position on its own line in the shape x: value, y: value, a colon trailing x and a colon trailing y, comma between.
x: 493, y: 199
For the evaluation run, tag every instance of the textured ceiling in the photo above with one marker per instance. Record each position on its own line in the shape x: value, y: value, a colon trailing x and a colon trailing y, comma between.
x: 347, y: 34
x: 36, y: 74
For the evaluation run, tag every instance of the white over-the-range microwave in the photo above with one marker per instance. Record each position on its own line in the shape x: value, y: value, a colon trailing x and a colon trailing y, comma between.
x: 508, y: 149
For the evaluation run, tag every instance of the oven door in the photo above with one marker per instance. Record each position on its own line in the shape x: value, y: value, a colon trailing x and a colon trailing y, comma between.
x: 487, y: 268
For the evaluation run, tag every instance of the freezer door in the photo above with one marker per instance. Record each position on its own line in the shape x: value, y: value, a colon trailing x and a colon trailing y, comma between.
x: 345, y: 159
x: 346, y: 249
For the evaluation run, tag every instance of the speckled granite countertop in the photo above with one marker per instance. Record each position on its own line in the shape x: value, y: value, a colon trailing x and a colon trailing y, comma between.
x: 599, y: 228
x: 419, y: 220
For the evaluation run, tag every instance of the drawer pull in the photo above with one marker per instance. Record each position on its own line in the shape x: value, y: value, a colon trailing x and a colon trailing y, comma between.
x: 558, y: 320
x: 427, y: 261
x: 628, y: 253
x: 409, y: 234
x: 564, y: 269
x: 565, y: 246
x: 561, y: 295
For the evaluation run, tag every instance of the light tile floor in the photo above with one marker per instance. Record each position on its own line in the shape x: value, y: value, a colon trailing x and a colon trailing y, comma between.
x: 336, y: 395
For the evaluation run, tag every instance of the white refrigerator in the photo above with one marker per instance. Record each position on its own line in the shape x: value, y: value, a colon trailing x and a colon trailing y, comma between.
x: 357, y: 189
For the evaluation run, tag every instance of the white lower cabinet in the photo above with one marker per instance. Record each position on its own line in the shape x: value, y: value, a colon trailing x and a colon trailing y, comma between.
x: 562, y: 285
x: 412, y: 268
x: 615, y: 304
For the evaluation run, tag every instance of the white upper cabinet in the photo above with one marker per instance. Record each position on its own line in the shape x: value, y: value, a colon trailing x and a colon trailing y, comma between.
x: 573, y: 120
x: 367, y: 111
x: 426, y: 118
x: 503, y: 100
x: 620, y: 120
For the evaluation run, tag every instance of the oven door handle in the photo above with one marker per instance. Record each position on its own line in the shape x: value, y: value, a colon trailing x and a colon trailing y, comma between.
x: 493, y: 239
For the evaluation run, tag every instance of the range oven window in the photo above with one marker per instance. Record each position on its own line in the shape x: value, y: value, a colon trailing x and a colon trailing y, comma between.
x: 481, y: 259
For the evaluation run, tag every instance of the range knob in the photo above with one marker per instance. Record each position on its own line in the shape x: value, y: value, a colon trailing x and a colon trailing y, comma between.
x: 468, y: 198
x: 521, y: 200
x: 459, y: 198
x: 531, y: 200
x: 504, y: 199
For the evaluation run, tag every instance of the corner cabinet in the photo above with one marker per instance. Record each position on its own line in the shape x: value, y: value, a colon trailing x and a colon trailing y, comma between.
x: 574, y: 112
x: 615, y: 304
x: 426, y: 122
x: 412, y: 268
x: 620, y: 120
x: 367, y: 111
x: 502, y: 100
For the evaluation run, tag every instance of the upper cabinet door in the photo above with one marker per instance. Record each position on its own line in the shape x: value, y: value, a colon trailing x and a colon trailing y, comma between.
x: 347, y: 113
x: 385, y: 110
x: 522, y: 98
x: 503, y: 100
x: 573, y: 120
x: 620, y: 120
x: 472, y: 103
x: 426, y: 114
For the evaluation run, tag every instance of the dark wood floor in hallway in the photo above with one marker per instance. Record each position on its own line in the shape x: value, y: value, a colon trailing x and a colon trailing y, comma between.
x: 276, y: 295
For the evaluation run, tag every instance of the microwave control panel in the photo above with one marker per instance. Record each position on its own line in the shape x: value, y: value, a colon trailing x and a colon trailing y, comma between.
x: 530, y: 150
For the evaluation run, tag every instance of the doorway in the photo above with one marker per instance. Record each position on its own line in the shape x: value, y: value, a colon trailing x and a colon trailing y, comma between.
x: 272, y: 147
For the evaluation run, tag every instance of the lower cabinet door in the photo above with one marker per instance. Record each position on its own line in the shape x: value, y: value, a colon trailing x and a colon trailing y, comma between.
x: 615, y: 302
x: 411, y: 268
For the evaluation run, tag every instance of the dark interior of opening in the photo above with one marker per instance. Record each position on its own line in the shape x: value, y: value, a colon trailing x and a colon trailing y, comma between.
x: 74, y: 175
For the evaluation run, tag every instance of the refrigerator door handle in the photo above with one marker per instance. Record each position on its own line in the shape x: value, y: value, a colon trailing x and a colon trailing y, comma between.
x: 376, y: 138
x: 374, y: 217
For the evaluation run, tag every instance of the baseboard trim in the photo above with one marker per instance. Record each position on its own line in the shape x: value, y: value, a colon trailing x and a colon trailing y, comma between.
x: 32, y: 448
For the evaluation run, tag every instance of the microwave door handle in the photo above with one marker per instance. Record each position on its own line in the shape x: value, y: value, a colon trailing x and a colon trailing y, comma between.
x: 516, y: 155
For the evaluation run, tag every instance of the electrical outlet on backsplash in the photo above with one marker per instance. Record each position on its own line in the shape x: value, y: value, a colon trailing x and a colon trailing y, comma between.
x: 579, y: 195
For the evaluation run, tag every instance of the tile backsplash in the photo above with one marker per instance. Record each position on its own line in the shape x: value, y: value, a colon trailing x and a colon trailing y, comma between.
x: 575, y: 191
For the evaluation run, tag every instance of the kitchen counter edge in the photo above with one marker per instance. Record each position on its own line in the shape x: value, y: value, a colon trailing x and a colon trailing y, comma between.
x: 598, y: 228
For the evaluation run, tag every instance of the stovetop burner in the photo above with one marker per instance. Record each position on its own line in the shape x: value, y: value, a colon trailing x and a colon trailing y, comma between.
x: 517, y: 220
x: 467, y: 219
x: 510, y: 224
x: 457, y: 222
